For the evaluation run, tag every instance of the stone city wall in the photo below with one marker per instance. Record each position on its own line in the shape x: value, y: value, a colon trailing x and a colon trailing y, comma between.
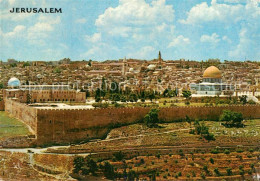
x: 23, y: 112
x: 2, y: 105
x: 63, y: 126
x: 73, y: 125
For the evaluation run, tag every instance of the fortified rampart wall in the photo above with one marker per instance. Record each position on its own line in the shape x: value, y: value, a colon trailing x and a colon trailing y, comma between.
x: 65, y: 126
x: 74, y: 125
x: 23, y: 112
x: 207, y: 112
x: 60, y: 126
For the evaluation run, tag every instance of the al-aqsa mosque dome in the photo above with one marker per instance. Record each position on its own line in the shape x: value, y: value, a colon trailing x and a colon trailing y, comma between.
x: 14, y: 82
x: 212, y: 72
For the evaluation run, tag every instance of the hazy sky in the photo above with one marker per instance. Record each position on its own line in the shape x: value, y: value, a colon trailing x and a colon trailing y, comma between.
x: 113, y: 29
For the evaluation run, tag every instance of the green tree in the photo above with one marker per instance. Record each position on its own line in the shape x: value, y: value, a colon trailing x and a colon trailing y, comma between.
x: 26, y: 64
x: 243, y: 99
x: 217, y: 172
x: 231, y: 118
x: 119, y: 156
x: 165, y: 92
x: 1, y: 85
x: 87, y: 93
x: 78, y: 164
x: 123, y: 98
x: 186, y: 94
x: 92, y: 166
x: 151, y: 119
x: 109, y: 172
x: 229, y: 171
x: 97, y: 95
x: 28, y: 98
x: 103, y: 88
x: 90, y: 63
x: 133, y: 97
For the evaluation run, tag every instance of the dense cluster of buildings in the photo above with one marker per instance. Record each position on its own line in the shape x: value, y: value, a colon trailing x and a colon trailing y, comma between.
x: 223, y: 78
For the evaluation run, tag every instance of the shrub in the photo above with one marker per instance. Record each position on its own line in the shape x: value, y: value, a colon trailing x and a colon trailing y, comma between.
x: 231, y: 118
x: 250, y: 172
x: 229, y: 171
x: 118, y: 156
x: 205, y: 168
x: 142, y: 161
x: 227, y: 151
x: 211, y: 160
x: 193, y: 173
x: 241, y: 172
x: 151, y: 119
x: 251, y: 150
x: 239, y: 150
x: 108, y: 171
x: 78, y: 164
x: 202, y: 175
x: 252, y: 165
x: 240, y: 157
x: 215, y: 151
x: 158, y: 155
x: 217, y: 172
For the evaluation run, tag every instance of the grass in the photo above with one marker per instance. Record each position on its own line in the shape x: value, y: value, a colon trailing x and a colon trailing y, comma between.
x: 11, y: 127
x: 252, y: 128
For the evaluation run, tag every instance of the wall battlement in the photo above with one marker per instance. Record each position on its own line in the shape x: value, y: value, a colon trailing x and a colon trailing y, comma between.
x: 69, y: 125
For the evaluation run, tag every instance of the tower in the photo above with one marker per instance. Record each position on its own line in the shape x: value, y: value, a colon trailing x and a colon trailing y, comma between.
x: 124, y: 67
x: 159, y: 58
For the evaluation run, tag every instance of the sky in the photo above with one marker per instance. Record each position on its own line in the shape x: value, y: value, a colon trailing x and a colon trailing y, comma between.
x: 114, y: 29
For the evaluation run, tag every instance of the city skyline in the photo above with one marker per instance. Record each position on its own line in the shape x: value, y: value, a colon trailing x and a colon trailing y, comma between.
x: 111, y: 29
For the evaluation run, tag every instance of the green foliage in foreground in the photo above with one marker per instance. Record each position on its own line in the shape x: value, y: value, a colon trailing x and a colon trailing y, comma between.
x: 151, y: 119
x: 202, y: 130
x: 232, y: 119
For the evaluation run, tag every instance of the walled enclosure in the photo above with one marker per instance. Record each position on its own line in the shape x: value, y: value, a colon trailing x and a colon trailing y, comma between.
x: 65, y: 126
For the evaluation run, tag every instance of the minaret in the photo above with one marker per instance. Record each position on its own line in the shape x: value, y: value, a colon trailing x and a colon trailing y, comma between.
x: 159, y: 58
x: 124, y: 67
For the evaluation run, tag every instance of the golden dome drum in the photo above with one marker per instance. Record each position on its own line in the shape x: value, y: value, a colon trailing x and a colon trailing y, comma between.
x: 212, y: 72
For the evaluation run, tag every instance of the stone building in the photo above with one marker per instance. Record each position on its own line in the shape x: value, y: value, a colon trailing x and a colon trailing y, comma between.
x: 43, y: 93
x: 212, y: 84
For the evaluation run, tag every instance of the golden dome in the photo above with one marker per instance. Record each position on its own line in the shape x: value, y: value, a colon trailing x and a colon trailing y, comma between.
x: 212, y: 72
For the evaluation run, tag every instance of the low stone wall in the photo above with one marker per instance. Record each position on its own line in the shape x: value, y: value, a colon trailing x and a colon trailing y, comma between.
x: 18, y: 142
